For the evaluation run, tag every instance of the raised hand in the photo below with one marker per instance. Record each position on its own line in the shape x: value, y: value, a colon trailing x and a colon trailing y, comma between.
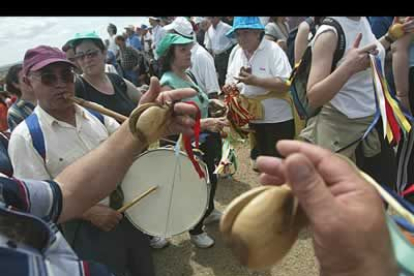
x: 246, y: 76
x: 182, y: 118
x: 358, y: 58
x: 399, y: 28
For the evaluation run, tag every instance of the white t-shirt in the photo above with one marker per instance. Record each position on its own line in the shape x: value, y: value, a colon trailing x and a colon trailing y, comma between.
x: 203, y: 69
x: 158, y: 33
x: 216, y: 39
x: 269, y: 60
x: 112, y: 45
x: 356, y: 99
x: 64, y: 144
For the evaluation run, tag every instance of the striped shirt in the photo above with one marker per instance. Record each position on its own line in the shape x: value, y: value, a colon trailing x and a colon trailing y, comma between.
x: 19, y: 111
x: 36, y: 205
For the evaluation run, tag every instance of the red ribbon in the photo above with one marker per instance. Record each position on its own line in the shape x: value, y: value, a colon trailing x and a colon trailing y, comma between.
x: 187, y: 141
x: 393, y: 122
x: 408, y: 191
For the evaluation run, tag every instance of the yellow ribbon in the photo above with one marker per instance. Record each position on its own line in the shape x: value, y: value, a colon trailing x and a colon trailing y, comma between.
x: 402, y: 121
x: 255, y: 107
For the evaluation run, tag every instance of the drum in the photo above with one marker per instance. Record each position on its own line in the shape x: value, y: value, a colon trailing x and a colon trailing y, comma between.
x: 179, y: 202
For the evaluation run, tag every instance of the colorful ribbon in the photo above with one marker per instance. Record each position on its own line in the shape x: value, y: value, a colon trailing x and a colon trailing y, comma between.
x: 237, y: 114
x: 395, y: 122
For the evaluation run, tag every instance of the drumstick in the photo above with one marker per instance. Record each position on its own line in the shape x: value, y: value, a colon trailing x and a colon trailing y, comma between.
x: 138, y: 198
x: 87, y: 104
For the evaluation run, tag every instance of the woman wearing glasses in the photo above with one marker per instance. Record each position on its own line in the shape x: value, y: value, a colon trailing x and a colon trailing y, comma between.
x: 107, y: 89
x: 175, y: 54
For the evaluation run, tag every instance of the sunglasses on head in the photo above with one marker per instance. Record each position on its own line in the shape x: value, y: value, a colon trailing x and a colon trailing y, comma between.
x: 88, y: 54
x: 51, y: 79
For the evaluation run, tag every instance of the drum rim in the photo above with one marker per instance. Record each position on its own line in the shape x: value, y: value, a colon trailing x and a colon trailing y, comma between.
x: 199, y: 160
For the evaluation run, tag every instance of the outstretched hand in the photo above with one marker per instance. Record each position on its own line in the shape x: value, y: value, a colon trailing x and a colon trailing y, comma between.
x: 399, y: 28
x: 182, y: 121
x: 246, y: 76
x: 346, y: 214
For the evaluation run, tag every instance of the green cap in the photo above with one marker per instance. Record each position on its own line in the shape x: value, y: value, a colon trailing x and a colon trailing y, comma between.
x: 171, y: 39
x: 81, y: 36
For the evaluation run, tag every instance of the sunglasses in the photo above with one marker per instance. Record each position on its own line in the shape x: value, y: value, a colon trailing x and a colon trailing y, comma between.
x: 51, y: 79
x: 89, y: 54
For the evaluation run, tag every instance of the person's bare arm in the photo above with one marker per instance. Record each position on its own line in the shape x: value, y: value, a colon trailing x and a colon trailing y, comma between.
x: 322, y: 84
x: 400, y: 67
x: 301, y: 41
x: 96, y: 174
x: 91, y: 178
x: 133, y: 93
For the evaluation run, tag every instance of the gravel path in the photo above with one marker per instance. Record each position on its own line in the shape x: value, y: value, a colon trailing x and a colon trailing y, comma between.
x: 181, y: 258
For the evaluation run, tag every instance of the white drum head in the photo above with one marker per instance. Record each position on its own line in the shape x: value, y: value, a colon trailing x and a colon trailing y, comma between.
x: 179, y: 202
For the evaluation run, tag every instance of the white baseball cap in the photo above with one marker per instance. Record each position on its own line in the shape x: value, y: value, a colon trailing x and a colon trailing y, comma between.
x: 182, y: 26
x: 130, y: 27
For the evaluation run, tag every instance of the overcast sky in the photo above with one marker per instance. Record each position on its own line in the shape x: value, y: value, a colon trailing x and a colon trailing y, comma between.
x: 21, y: 33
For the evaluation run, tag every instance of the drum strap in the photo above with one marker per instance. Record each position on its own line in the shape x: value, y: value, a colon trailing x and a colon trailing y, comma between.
x: 187, y: 142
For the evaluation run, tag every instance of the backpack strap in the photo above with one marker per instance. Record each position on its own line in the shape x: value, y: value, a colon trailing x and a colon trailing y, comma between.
x: 191, y: 75
x: 36, y: 134
x: 340, y: 46
x: 98, y: 115
x: 115, y: 78
x: 310, y: 22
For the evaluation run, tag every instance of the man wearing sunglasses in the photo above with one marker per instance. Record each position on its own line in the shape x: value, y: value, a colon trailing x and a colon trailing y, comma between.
x: 57, y: 134
x: 30, y: 244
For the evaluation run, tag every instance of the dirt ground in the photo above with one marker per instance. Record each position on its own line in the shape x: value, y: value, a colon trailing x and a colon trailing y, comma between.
x: 181, y: 258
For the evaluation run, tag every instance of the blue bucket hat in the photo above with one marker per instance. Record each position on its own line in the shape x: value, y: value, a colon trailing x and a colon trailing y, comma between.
x: 245, y: 22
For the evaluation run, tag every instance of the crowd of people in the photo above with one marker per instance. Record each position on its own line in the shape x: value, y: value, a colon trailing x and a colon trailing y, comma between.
x: 70, y: 162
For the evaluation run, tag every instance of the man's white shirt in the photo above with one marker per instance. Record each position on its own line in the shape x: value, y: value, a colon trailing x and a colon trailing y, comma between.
x: 269, y: 60
x: 216, y: 39
x: 203, y: 69
x: 64, y: 143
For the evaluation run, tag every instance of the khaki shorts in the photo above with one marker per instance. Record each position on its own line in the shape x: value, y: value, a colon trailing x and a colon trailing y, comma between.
x: 332, y: 130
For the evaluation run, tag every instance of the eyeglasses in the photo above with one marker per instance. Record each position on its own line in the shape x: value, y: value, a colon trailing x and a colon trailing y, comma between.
x: 89, y: 54
x: 51, y: 79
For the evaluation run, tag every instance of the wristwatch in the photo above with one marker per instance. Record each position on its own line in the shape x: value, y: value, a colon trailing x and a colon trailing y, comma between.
x: 388, y: 38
